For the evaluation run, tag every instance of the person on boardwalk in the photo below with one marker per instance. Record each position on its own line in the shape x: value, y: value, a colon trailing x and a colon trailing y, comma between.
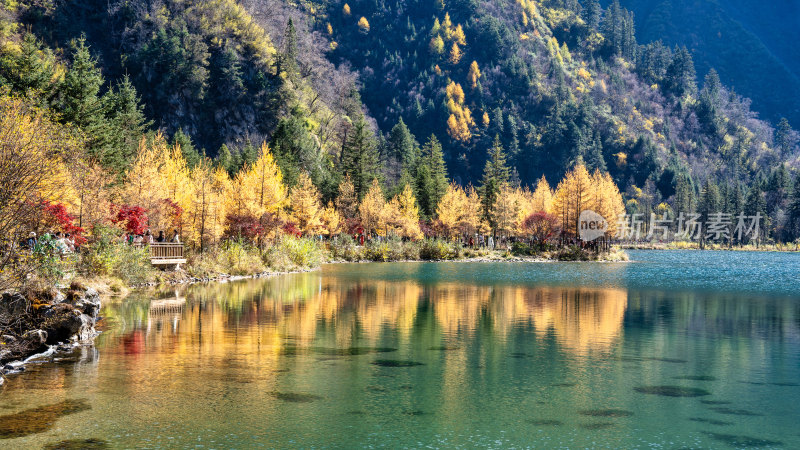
x: 161, y: 237
x: 176, y: 239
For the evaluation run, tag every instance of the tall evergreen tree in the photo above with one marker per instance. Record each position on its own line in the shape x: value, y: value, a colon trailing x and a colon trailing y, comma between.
x: 496, y: 174
x: 402, y: 153
x: 126, y: 117
x: 190, y: 153
x: 288, y: 58
x: 431, y: 177
x: 360, y: 159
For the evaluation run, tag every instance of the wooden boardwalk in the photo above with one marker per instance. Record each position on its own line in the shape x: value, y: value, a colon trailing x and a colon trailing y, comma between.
x: 165, y: 253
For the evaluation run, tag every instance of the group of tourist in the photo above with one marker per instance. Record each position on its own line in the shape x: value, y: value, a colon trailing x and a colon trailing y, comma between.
x: 61, y: 243
x: 148, y: 238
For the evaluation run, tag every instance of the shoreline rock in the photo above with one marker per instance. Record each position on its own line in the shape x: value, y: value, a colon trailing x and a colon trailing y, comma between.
x: 39, y: 325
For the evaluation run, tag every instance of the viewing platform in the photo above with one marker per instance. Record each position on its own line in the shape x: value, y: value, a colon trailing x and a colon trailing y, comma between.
x: 165, y: 253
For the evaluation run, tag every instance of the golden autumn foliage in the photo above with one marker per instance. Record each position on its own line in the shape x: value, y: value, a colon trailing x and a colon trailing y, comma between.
x: 403, y: 214
x: 305, y: 205
x: 371, y: 209
x: 455, y: 54
x: 436, y: 45
x: 205, y: 213
x: 459, y: 211
x: 542, y: 196
x: 347, y: 201
x: 607, y: 199
x: 259, y: 188
x: 573, y: 195
x: 510, y: 209
x: 363, y: 25
x: 460, y: 120
x: 34, y: 152
x: 474, y: 74
x: 458, y: 36
x: 579, y: 191
x: 331, y: 220
x: 346, y: 9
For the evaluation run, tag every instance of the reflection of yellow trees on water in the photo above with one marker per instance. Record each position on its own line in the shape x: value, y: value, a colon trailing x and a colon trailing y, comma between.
x: 304, y: 310
x: 580, y: 319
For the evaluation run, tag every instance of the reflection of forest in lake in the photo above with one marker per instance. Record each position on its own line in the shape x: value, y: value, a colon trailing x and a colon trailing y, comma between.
x: 312, y: 309
x: 449, y: 354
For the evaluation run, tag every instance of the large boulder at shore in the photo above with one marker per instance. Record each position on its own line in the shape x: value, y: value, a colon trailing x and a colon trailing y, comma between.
x: 64, y: 321
x: 12, y: 305
x: 35, y: 337
x: 87, y: 301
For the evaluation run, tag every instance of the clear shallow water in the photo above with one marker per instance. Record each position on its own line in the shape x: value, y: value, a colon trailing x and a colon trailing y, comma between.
x: 489, y: 355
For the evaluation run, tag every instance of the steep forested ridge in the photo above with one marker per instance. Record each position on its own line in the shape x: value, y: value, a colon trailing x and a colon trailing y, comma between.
x: 547, y: 83
x: 751, y: 44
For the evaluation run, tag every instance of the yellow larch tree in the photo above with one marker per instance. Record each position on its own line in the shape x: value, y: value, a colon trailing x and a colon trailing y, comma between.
x: 407, y: 219
x: 372, y: 209
x: 436, y: 45
x: 542, y: 200
x: 460, y: 120
x: 174, y: 176
x: 508, y: 208
x: 143, y: 186
x: 455, y: 54
x: 331, y: 220
x: 472, y: 219
x: 93, y: 185
x: 363, y: 25
x: 205, y: 216
x: 347, y: 201
x: 474, y: 74
x: 607, y: 199
x: 458, y: 36
x: 346, y: 10
x: 259, y: 188
x: 305, y: 207
x: 573, y: 195
x: 450, y: 209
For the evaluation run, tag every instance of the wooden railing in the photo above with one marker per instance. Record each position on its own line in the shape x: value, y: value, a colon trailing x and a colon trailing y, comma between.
x: 165, y: 253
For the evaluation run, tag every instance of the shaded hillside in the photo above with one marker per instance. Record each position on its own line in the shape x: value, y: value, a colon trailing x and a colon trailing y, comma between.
x: 751, y: 44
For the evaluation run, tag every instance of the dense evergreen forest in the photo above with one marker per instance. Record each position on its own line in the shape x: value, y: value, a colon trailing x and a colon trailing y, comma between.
x: 751, y: 45
x: 410, y: 92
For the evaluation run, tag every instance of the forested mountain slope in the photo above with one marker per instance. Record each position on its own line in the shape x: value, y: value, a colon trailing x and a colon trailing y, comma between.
x: 545, y: 83
x: 751, y: 44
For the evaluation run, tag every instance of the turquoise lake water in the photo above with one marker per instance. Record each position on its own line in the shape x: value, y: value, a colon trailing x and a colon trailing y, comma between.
x: 672, y: 350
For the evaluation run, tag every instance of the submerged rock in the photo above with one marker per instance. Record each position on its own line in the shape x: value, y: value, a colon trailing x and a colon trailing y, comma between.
x: 735, y: 412
x: 396, y: 363
x: 606, y: 413
x: 564, y: 384
x: 38, y: 420
x: 715, y: 402
x: 710, y: 421
x: 742, y: 441
x: 696, y: 378
x: 78, y: 444
x: 669, y: 360
x: 295, y: 397
x: 672, y: 391
x: 545, y: 422
x: 596, y: 425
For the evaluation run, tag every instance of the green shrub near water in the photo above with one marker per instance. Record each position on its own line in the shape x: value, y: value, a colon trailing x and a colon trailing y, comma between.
x: 438, y: 249
x: 109, y: 256
x: 344, y: 248
x: 230, y: 257
x: 291, y: 253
